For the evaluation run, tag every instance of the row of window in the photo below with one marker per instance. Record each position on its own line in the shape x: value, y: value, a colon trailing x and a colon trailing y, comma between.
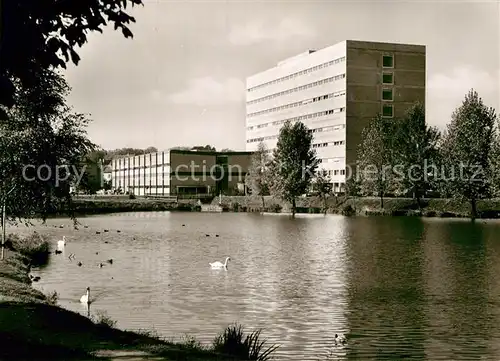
x: 128, y: 172
x: 297, y: 104
x: 330, y: 172
x: 315, y: 130
x: 387, y: 94
x: 294, y: 75
x: 142, y: 160
x: 299, y: 88
x: 261, y: 139
x: 329, y: 160
x: 299, y: 118
x: 326, y: 144
x: 327, y: 129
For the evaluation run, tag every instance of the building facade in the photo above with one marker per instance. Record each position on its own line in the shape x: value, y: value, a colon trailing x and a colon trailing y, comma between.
x: 335, y: 92
x: 180, y: 172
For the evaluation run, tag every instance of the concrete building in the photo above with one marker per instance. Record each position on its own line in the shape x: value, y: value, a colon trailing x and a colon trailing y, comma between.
x: 335, y: 92
x: 180, y: 172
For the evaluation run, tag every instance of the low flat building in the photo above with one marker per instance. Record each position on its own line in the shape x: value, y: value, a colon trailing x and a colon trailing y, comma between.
x: 180, y: 172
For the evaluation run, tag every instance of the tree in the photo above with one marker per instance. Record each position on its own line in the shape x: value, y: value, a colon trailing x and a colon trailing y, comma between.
x: 467, y: 151
x: 41, y: 149
x: 322, y: 187
x: 35, y: 37
x: 415, y: 153
x: 375, y: 157
x: 494, y: 165
x: 352, y: 187
x: 206, y: 148
x: 294, y: 163
x: 92, y: 179
x: 257, y: 178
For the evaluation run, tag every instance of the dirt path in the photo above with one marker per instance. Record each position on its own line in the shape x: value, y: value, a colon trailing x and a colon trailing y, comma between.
x: 128, y: 355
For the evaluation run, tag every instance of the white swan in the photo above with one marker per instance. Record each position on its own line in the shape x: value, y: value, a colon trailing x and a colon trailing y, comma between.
x: 86, y: 297
x: 61, y: 243
x: 218, y: 264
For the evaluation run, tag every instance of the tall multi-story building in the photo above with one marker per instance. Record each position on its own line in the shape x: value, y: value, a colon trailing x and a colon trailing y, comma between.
x: 180, y: 172
x: 335, y: 92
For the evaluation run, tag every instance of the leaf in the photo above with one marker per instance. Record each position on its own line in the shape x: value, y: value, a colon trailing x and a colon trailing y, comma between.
x: 126, y: 32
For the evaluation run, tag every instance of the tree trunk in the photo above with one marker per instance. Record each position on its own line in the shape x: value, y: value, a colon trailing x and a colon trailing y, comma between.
x: 3, y: 229
x: 294, y: 206
x: 473, y: 209
x: 324, y: 205
x: 263, y: 202
x: 382, y: 200
x: 418, y: 198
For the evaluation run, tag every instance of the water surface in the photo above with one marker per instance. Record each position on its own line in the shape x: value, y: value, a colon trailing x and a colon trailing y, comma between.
x: 398, y: 288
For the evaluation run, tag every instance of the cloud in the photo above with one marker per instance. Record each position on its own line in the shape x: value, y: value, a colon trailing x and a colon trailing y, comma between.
x: 256, y: 32
x: 446, y: 91
x: 461, y: 80
x: 209, y: 91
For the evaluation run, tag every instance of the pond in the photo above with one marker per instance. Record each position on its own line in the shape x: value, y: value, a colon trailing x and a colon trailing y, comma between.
x: 397, y: 287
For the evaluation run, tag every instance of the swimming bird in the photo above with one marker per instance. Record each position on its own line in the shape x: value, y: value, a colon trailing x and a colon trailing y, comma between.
x: 79, y: 264
x: 110, y: 261
x: 57, y: 251
x: 97, y: 232
x: 86, y: 297
x: 101, y: 265
x: 340, y: 339
x: 62, y: 242
x: 218, y: 264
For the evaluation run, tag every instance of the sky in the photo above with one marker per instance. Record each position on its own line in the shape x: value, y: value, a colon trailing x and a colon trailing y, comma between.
x: 181, y: 80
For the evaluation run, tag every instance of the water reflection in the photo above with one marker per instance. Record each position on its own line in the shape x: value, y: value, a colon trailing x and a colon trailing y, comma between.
x: 398, y: 287
x: 385, y: 282
x: 463, y: 312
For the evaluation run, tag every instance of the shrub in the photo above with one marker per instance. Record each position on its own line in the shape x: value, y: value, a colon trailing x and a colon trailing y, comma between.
x: 149, y: 333
x: 190, y: 342
x: 102, y: 319
x: 52, y: 298
x: 235, y: 206
x: 35, y: 247
x: 131, y: 196
x: 231, y: 342
x: 348, y: 210
x: 275, y: 208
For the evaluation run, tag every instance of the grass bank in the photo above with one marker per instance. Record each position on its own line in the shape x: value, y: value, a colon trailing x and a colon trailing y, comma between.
x: 104, y: 205
x: 32, y: 326
x: 433, y: 207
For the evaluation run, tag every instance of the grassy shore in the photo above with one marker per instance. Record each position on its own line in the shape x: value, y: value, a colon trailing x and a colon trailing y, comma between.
x: 103, y: 205
x: 489, y: 208
x: 434, y: 207
x: 32, y: 326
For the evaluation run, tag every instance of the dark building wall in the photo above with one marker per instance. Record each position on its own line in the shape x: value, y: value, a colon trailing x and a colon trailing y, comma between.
x: 365, y: 85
